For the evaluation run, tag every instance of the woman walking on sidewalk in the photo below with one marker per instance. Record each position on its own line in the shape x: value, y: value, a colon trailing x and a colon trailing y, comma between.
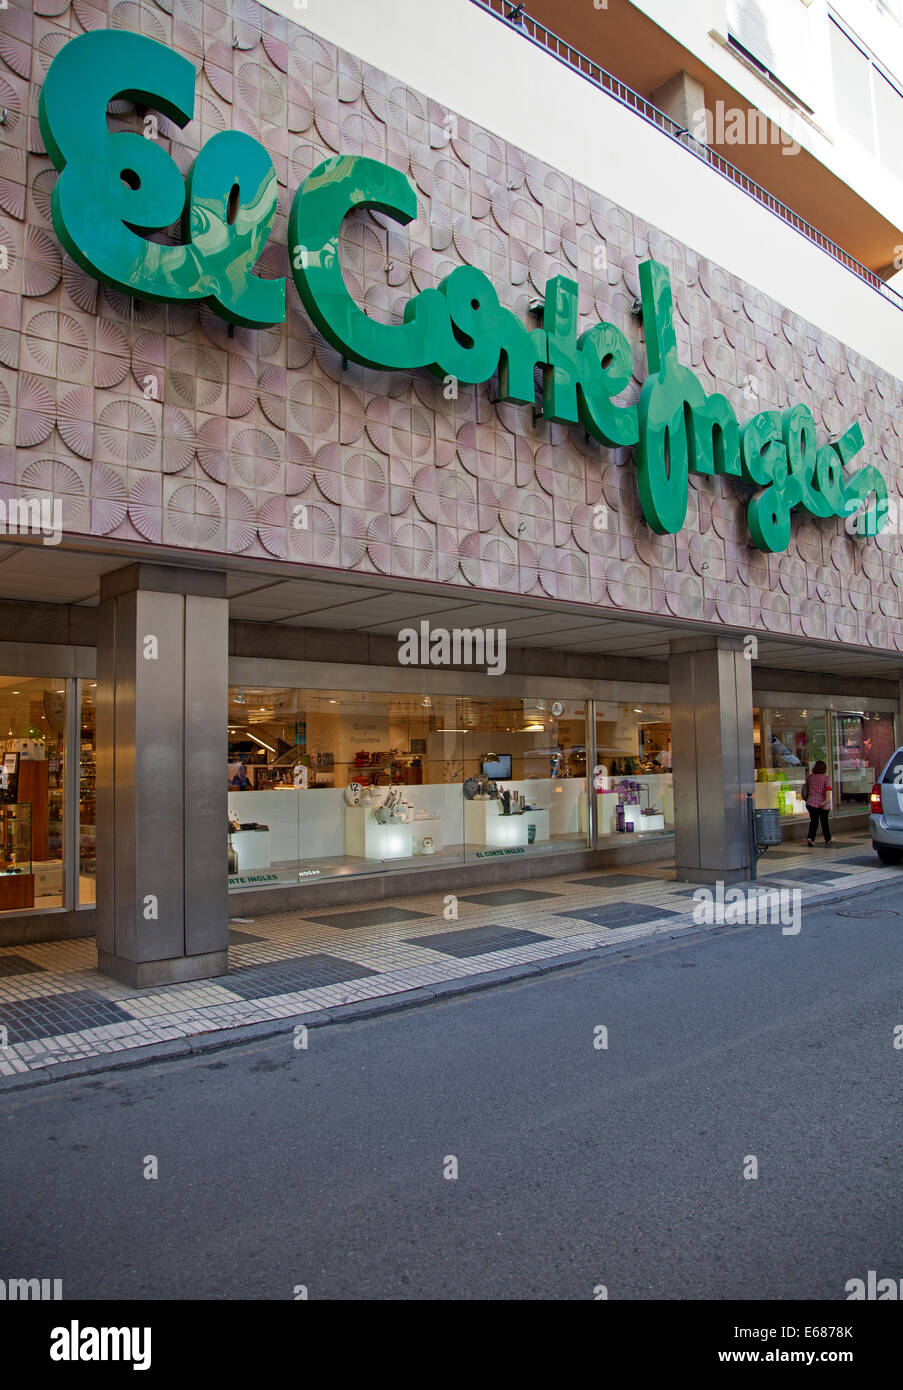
x: 817, y: 796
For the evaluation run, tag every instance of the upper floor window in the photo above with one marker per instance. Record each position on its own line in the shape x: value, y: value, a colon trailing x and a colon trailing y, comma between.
x: 751, y: 36
x: 869, y: 102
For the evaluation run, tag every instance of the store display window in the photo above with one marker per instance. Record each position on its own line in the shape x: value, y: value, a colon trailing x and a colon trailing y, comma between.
x: 32, y: 760
x: 787, y: 744
x: 524, y: 776
x: 339, y: 782
x: 633, y: 780
x: 855, y: 745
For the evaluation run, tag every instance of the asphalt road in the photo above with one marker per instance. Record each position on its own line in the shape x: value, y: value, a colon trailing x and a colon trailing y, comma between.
x: 578, y: 1165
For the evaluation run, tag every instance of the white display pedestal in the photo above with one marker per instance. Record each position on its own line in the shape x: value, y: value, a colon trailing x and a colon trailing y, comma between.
x: 606, y: 804
x: 767, y: 796
x: 252, y: 848
x: 606, y: 811
x: 633, y: 815
x: 485, y: 825
x: 48, y: 878
x: 365, y: 838
x: 427, y: 827
x: 660, y: 793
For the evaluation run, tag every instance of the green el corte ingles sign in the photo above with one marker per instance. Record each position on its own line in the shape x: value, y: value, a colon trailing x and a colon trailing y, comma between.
x: 114, y: 188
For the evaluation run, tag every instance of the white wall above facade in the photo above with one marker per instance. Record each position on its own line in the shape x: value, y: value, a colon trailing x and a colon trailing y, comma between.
x: 476, y: 67
x: 799, y: 54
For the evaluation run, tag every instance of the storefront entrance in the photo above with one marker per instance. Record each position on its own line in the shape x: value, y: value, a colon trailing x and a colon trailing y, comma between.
x: 855, y: 744
x: 47, y: 803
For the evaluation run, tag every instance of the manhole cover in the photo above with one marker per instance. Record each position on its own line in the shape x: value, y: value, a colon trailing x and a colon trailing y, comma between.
x: 864, y: 912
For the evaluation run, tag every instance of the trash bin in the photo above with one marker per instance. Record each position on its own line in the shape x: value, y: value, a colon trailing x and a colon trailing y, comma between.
x: 768, y: 826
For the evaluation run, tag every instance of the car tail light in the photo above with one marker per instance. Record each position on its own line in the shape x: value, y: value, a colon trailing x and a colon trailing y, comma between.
x: 875, y: 799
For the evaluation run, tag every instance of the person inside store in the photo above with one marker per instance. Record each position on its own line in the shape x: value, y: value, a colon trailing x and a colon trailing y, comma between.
x: 239, y: 781
x: 817, y: 796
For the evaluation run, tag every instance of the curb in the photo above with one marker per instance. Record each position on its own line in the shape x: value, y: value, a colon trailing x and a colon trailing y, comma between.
x: 202, y: 1043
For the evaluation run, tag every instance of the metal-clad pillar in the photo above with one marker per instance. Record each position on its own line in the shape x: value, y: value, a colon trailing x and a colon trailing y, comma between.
x: 712, y: 759
x: 162, y: 676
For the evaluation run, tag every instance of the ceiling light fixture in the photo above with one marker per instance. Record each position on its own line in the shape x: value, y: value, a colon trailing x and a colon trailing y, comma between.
x: 260, y: 741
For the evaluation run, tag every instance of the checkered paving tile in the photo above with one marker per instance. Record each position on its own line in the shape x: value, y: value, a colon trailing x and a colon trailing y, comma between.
x: 243, y: 938
x: 621, y: 914
x: 613, y: 881
x: 824, y: 875
x: 51, y: 1014
x: 505, y: 897
x: 365, y: 917
x: 57, y: 1006
x: 478, y: 941
x: 289, y: 976
x: 18, y: 965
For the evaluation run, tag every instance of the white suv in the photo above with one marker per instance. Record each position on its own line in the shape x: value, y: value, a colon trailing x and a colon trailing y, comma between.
x: 886, y: 806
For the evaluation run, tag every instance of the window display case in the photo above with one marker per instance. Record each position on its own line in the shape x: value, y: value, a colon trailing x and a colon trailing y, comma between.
x: 383, y: 772
x: 16, y: 876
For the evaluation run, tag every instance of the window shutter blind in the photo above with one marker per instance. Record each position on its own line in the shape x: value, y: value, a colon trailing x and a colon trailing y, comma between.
x: 748, y: 25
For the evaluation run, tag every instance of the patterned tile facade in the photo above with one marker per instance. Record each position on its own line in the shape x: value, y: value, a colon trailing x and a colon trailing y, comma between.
x: 243, y: 426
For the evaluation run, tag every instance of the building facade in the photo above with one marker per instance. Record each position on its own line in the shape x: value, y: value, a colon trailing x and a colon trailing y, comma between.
x: 479, y: 468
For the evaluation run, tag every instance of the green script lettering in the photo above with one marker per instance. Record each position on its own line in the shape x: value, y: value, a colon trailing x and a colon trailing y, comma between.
x: 114, y: 188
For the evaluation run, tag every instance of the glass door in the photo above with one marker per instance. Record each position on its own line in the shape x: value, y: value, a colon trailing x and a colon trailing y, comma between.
x: 862, y: 743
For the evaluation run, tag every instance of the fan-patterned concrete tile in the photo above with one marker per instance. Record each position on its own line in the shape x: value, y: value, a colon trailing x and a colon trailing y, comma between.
x: 287, y: 393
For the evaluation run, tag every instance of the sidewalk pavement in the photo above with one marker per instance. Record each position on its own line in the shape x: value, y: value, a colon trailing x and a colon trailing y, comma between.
x: 62, y: 1017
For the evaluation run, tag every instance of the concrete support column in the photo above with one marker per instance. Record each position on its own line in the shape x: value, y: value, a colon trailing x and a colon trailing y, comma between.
x: 682, y: 98
x: 712, y: 759
x: 162, y: 713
